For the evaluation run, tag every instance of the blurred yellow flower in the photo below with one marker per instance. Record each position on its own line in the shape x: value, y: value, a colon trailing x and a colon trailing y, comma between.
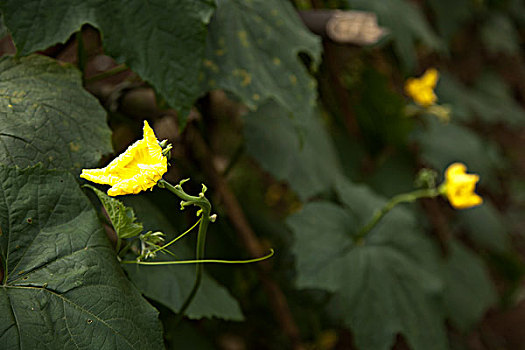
x: 459, y: 187
x: 137, y: 169
x: 421, y: 90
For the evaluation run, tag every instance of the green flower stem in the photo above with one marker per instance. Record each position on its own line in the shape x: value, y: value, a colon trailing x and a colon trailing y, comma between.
x: 402, y: 198
x: 205, y: 208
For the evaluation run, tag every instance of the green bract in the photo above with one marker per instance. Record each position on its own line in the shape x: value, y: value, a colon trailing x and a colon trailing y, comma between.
x: 122, y: 218
x: 62, y: 285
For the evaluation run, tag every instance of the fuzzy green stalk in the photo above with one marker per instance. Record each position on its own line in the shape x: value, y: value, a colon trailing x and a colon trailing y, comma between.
x: 394, y: 201
x: 205, y: 211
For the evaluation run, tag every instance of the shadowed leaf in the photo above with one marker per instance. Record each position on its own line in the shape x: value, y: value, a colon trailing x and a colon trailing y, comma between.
x: 63, y: 287
x: 46, y: 116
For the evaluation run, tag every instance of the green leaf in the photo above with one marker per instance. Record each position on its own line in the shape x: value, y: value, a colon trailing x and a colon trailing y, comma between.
x: 385, y: 286
x: 406, y: 24
x: 46, y: 116
x: 451, y: 15
x: 500, y: 35
x: 489, y: 100
x: 252, y: 52
x: 63, y: 287
x: 442, y: 145
x: 393, y: 174
x: 163, y: 41
x: 305, y: 157
x: 469, y: 291
x: 485, y: 226
x: 122, y: 218
x: 170, y: 285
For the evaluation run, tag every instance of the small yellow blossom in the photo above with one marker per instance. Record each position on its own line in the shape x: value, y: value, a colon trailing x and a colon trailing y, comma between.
x: 459, y: 187
x: 421, y: 90
x: 137, y: 169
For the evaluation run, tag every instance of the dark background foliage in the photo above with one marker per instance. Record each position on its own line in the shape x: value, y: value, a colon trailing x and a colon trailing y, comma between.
x: 299, y: 139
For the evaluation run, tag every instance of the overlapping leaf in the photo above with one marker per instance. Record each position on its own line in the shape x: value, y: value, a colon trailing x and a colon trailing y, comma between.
x: 170, y: 285
x: 252, y: 52
x: 304, y: 157
x: 46, y: 116
x: 62, y: 285
x: 163, y: 41
x: 384, y: 286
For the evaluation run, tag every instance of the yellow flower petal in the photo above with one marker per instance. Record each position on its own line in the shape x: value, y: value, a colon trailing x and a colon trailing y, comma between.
x: 137, y: 169
x: 459, y: 187
x: 421, y: 90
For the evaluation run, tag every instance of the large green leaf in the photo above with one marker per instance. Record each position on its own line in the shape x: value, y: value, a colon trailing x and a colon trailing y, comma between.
x: 406, y: 24
x: 303, y: 157
x: 170, y: 285
x: 46, y: 116
x: 62, y: 285
x: 252, y: 52
x: 469, y: 291
x: 384, y: 286
x: 162, y: 40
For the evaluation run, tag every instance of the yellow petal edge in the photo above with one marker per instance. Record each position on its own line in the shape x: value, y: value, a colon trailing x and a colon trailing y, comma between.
x: 137, y: 169
x: 460, y: 186
x: 421, y: 90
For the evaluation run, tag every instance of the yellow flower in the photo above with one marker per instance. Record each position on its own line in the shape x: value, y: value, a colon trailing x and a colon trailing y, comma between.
x: 421, y: 90
x: 137, y: 169
x: 459, y: 187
